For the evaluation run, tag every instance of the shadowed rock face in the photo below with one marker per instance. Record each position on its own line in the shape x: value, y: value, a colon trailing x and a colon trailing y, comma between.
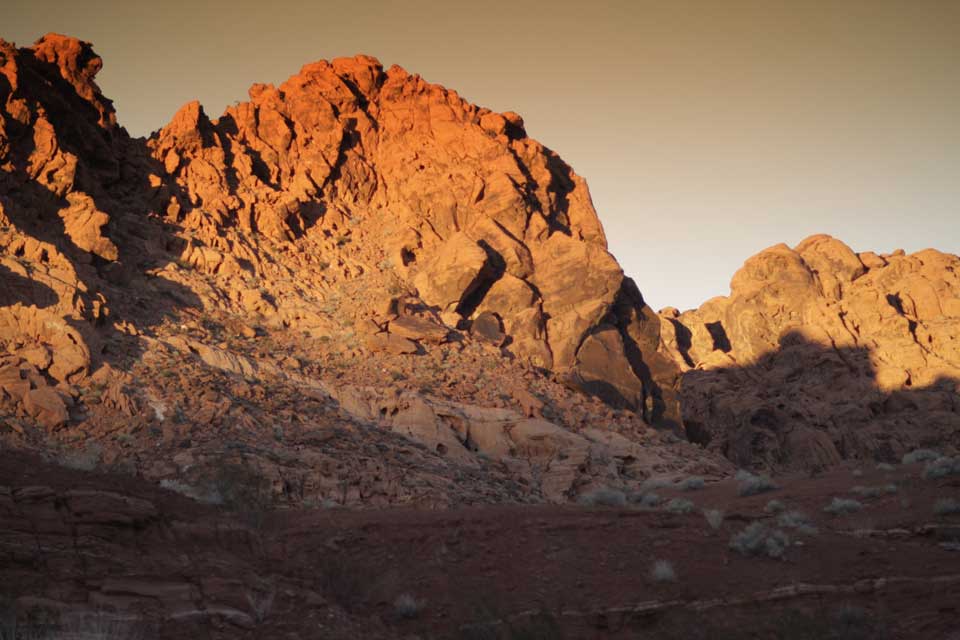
x: 820, y: 353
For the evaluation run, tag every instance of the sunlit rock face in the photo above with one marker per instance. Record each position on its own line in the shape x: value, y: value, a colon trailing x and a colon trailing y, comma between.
x: 820, y: 353
x: 471, y: 212
x: 467, y: 210
x: 354, y: 232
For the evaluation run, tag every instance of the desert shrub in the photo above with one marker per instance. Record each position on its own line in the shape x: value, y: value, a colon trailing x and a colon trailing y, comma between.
x: 8, y: 620
x: 751, y: 485
x: 38, y: 623
x: 758, y: 540
x: 541, y: 626
x: 874, y: 492
x: 845, y: 623
x: 840, y: 506
x: 344, y: 582
x: 714, y: 518
x: 261, y: 602
x: 693, y: 483
x: 406, y: 606
x: 604, y: 497
x: 742, y: 475
x: 244, y: 491
x: 775, y: 506
x: 85, y: 459
x: 200, y: 494
x: 796, y: 520
x: 679, y: 505
x: 662, y: 571
x: 857, y: 473
x: 647, y: 500
x: 920, y: 455
x: 946, y: 507
x: 941, y: 468
x: 652, y: 484
x: 885, y: 466
x: 99, y: 626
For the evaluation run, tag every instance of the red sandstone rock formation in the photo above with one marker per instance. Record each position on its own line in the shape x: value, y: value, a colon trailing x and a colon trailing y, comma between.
x: 359, y: 227
x: 820, y: 353
x: 469, y: 211
x: 354, y: 226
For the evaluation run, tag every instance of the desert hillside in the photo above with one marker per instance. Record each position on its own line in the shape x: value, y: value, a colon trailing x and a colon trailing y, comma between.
x: 230, y: 352
x: 357, y: 284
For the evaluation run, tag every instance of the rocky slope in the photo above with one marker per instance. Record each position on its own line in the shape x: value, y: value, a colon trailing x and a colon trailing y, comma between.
x: 358, y: 284
x: 820, y: 354
x: 359, y: 290
x: 370, y: 291
x: 86, y: 555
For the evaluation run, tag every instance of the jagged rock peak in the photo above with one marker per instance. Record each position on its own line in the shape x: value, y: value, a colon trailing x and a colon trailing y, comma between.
x: 470, y: 210
x: 343, y: 172
x: 77, y: 64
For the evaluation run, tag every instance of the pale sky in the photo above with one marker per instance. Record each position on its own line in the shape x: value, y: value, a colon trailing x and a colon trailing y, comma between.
x: 706, y: 130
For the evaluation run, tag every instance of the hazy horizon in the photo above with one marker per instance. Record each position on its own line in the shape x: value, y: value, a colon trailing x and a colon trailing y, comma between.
x: 706, y: 133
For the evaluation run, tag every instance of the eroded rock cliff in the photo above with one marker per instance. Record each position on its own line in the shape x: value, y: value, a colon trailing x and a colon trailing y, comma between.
x: 820, y: 354
x: 230, y: 286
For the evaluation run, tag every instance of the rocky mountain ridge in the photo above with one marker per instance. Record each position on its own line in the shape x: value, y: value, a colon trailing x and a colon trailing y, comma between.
x: 353, y: 252
x: 370, y: 291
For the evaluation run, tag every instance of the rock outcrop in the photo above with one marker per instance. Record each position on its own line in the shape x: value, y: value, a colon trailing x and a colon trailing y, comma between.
x: 357, y: 227
x: 820, y: 354
x: 221, y: 289
x: 471, y: 213
x: 345, y: 167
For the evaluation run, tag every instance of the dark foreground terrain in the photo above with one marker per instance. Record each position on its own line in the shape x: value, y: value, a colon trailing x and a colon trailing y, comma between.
x: 137, y: 561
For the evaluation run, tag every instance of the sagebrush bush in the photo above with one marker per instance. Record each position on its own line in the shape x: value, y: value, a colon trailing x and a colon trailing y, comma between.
x: 207, y: 496
x: 86, y: 459
x: 679, y: 505
x: 652, y: 484
x: 845, y: 623
x: 885, y: 466
x: 797, y: 520
x: 604, y: 497
x: 941, y: 468
x: 751, y: 485
x: 839, y: 506
x: 406, y: 606
x: 757, y: 540
x: 714, y: 518
x: 662, y: 571
x: 693, y: 483
x: 874, y: 492
x: 946, y: 507
x: 261, y: 602
x: 775, y: 506
x: 647, y: 500
x: 920, y: 455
